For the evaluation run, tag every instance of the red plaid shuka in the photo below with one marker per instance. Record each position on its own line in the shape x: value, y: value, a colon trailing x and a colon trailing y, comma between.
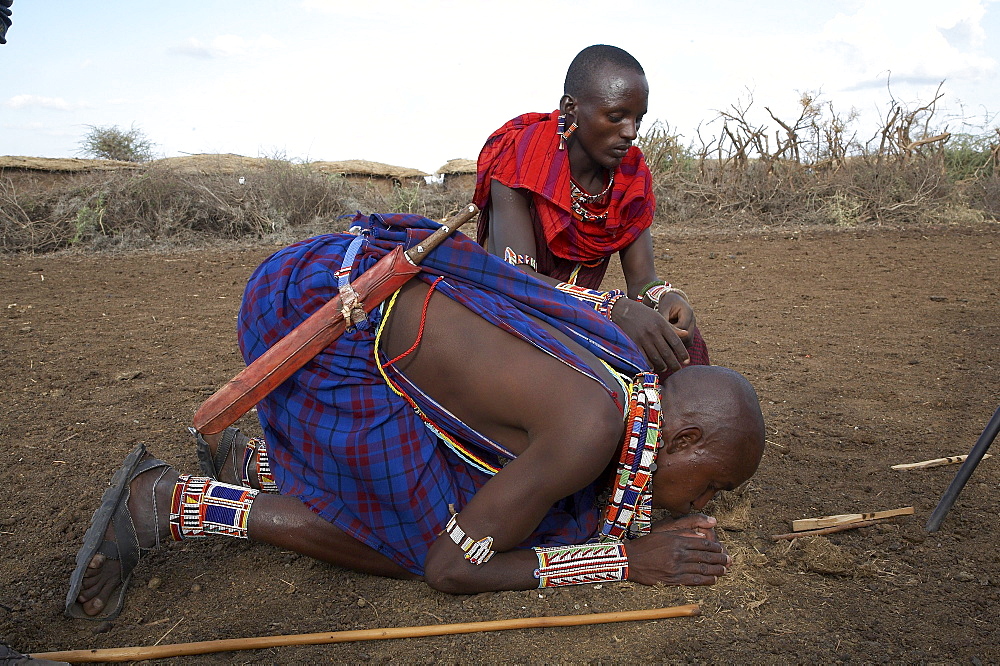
x: 524, y: 154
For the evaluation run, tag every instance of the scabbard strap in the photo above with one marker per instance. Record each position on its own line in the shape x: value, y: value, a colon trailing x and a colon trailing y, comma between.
x: 351, y: 306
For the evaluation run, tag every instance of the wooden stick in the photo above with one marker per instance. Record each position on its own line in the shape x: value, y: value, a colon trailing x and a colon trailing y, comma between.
x: 936, y: 462
x: 823, y: 530
x: 316, y: 332
x: 846, y: 518
x: 261, y: 642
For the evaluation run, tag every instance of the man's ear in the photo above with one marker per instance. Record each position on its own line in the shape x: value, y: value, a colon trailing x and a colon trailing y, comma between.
x: 683, y: 439
x: 567, y: 105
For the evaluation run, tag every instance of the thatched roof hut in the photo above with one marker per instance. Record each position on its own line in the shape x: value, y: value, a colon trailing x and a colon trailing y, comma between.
x: 224, y: 163
x: 47, y: 171
x: 459, y: 173
x: 382, y: 176
x: 64, y: 164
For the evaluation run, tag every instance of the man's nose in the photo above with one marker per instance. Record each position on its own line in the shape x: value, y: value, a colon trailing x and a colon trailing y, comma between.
x: 630, y: 130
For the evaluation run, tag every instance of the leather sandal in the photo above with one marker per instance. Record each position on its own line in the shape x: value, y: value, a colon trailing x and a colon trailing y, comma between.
x: 112, y: 511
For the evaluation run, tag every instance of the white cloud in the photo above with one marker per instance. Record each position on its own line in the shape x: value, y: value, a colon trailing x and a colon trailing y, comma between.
x: 40, y: 102
x: 224, y: 46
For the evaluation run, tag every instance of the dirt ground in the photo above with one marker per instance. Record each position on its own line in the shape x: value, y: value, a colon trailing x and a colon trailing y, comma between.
x: 868, y: 348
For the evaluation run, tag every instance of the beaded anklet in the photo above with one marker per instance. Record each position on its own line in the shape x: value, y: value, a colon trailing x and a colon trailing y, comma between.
x: 601, y: 301
x: 477, y: 552
x: 257, y: 465
x: 201, y: 506
x: 579, y: 565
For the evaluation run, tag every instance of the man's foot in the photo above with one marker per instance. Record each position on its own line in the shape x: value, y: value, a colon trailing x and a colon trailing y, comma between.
x: 133, y: 516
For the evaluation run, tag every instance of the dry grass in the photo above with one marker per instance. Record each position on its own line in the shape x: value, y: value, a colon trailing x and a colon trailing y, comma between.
x: 177, y: 202
x: 779, y: 173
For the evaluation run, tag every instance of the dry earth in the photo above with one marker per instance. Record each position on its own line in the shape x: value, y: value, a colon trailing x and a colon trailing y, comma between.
x: 868, y: 348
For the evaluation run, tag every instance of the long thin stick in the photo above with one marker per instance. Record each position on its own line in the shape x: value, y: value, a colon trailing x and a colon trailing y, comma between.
x: 935, y: 462
x: 261, y: 642
x: 823, y: 530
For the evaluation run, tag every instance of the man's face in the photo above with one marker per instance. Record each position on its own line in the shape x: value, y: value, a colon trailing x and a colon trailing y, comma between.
x: 609, y: 116
x: 687, y: 480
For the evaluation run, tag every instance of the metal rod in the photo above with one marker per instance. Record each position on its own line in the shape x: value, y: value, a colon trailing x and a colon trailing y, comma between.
x: 964, y: 472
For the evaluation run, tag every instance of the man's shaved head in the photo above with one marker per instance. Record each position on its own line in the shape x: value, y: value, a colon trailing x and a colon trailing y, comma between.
x: 716, y: 398
x: 713, y: 437
x: 590, y: 62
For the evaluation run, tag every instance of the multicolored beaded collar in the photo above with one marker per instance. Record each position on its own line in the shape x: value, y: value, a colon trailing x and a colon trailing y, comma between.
x: 628, y: 514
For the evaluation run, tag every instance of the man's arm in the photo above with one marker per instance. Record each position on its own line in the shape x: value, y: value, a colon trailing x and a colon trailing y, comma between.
x: 511, y: 230
x: 564, y: 427
x: 662, y: 334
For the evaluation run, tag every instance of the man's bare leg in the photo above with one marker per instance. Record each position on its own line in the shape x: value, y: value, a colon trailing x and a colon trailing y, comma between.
x: 274, y: 519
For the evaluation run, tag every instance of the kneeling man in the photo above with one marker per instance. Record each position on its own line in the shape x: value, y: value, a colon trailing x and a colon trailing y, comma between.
x: 464, y: 434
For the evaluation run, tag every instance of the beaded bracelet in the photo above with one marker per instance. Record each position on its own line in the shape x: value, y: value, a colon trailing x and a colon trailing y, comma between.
x: 578, y: 565
x: 514, y: 259
x: 656, y: 292
x: 477, y: 552
x: 654, y: 283
x: 602, y: 301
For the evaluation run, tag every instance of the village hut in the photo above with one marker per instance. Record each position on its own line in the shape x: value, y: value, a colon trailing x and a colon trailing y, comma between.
x: 383, y: 177
x: 44, y: 172
x: 226, y: 164
x: 458, y: 174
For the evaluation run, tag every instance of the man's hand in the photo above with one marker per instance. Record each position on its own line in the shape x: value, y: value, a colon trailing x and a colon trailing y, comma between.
x: 685, y: 551
x: 676, y: 310
x: 661, y: 342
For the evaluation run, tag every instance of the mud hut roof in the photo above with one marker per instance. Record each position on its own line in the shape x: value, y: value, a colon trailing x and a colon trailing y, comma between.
x: 225, y: 163
x: 65, y: 164
x: 458, y: 167
x: 366, y: 168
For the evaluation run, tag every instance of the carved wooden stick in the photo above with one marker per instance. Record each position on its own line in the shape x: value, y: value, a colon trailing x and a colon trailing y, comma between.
x: 847, y: 518
x: 823, y: 530
x: 261, y: 642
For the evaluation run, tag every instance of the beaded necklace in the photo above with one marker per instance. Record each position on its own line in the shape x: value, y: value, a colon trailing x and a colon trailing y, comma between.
x: 628, y: 514
x: 580, y: 199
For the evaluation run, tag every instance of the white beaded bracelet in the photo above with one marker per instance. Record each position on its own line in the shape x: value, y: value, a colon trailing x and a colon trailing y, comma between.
x: 477, y: 552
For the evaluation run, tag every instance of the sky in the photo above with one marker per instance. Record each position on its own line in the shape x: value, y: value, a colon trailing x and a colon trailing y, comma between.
x: 416, y: 83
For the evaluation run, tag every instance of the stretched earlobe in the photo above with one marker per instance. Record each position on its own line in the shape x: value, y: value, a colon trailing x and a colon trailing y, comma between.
x: 683, y: 439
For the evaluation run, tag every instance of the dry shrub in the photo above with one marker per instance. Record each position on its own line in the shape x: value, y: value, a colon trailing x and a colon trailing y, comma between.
x: 815, y: 171
x: 163, y: 205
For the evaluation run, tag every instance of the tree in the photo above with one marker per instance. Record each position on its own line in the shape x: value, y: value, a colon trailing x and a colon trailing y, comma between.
x: 113, y: 143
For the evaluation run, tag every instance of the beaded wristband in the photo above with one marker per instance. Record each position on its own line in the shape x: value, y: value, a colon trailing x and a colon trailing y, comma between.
x: 514, y: 259
x: 477, y: 552
x: 601, y: 301
x: 578, y: 565
x: 655, y: 293
x: 654, y: 283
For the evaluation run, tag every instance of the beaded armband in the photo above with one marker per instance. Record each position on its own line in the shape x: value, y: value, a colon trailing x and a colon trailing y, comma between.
x: 578, y: 565
x: 477, y: 552
x: 514, y: 259
x: 601, y: 301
